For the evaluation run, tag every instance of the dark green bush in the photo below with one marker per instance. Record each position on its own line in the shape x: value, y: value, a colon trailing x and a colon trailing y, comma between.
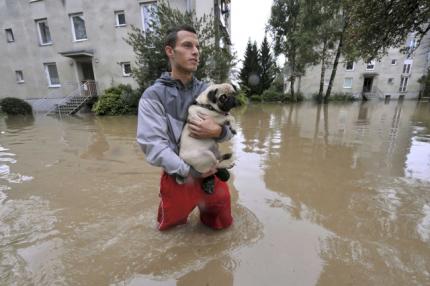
x: 117, y: 100
x: 241, y: 98
x: 15, y: 106
x: 256, y: 98
x: 271, y: 95
x: 299, y: 97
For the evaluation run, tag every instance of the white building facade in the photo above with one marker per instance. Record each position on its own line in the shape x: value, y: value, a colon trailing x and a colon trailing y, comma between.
x: 394, y: 76
x: 50, y: 47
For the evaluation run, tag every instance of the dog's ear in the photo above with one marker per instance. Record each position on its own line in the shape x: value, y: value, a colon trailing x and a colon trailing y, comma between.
x: 212, y: 95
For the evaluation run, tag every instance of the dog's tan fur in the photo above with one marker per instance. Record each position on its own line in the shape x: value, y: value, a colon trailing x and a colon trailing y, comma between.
x: 203, y: 154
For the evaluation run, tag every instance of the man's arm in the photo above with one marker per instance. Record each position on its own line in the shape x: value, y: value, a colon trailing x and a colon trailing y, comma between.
x: 205, y: 127
x: 153, y: 138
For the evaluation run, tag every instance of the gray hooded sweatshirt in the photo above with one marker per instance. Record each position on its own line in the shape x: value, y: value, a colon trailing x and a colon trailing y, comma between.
x: 163, y: 110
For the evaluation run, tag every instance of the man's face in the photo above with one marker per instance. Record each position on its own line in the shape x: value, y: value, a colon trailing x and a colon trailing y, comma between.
x: 185, y: 55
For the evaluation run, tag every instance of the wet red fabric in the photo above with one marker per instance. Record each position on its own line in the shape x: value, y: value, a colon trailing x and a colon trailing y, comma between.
x: 178, y: 201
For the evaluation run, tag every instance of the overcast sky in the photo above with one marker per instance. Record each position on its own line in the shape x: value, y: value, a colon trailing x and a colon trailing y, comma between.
x: 248, y: 20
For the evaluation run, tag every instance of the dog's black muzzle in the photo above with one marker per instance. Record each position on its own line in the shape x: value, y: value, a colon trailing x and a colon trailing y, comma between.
x: 229, y: 103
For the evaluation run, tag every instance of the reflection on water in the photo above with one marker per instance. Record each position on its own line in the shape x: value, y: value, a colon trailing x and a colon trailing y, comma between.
x: 322, y: 195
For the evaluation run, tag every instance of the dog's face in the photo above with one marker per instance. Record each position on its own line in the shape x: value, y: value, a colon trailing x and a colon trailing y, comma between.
x: 222, y: 97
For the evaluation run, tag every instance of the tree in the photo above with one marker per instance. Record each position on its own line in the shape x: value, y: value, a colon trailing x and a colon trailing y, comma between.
x: 377, y: 25
x: 215, y: 60
x: 294, y: 36
x: 267, y: 66
x: 250, y: 74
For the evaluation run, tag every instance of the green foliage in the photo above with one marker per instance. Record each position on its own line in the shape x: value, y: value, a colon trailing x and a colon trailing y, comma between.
x: 118, y: 100
x: 377, y: 25
x: 267, y: 65
x: 256, y: 98
x: 294, y: 33
x: 250, y: 74
x: 241, y: 98
x: 15, y: 106
x: 215, y: 61
x: 425, y: 83
x: 337, y: 97
x: 271, y: 95
x: 298, y: 97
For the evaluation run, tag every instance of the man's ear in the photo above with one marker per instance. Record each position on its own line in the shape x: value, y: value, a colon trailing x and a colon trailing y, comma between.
x: 169, y: 51
x: 212, y: 95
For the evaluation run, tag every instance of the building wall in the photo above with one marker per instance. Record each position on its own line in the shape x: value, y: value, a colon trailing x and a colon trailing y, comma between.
x: 383, y: 71
x: 104, y: 39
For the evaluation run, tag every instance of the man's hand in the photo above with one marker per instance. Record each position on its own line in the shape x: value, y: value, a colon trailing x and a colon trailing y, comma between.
x: 204, y: 127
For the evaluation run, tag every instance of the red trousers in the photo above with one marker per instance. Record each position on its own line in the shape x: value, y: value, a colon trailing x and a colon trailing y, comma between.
x: 178, y: 201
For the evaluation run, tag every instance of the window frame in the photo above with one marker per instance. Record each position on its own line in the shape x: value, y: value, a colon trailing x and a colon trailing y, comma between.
x: 48, y: 75
x: 39, y: 32
x: 123, y: 64
x: 117, y: 13
x: 344, y: 82
x: 346, y: 66
x: 403, y: 84
x: 371, y: 62
x: 395, y: 62
x: 73, y: 27
x: 9, y: 32
x: 142, y: 15
x: 19, y: 75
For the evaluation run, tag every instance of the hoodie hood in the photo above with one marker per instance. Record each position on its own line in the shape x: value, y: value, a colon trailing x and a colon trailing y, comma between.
x: 167, y: 80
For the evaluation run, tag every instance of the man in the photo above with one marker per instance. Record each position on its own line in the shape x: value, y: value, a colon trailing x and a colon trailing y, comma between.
x: 162, y: 113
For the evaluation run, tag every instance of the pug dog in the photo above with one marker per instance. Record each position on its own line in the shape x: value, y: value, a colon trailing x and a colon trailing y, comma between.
x: 202, y: 154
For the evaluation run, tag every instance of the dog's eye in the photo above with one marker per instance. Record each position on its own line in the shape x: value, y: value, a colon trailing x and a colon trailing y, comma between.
x: 222, y: 97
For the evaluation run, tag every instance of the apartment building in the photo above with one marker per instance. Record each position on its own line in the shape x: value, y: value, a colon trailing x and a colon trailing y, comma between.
x: 50, y: 47
x: 394, y: 76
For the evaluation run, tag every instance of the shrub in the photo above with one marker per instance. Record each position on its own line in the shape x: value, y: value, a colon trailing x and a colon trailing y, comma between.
x: 241, y: 98
x: 15, y: 106
x: 271, y: 95
x: 299, y: 97
x: 117, y: 100
x: 256, y: 98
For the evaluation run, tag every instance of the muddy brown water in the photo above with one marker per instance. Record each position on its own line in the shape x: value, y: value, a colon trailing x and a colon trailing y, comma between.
x: 322, y: 195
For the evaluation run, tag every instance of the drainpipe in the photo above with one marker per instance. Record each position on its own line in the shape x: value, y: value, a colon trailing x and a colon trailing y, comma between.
x: 189, y: 7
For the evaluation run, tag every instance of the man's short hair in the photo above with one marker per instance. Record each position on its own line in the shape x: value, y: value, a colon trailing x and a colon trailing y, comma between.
x: 172, y: 34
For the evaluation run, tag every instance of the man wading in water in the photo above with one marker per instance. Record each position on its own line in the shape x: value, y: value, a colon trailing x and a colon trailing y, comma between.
x: 162, y: 114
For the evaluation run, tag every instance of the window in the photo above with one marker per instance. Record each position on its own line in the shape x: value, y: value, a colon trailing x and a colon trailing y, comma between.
x: 347, y: 82
x: 19, y: 77
x: 9, y: 36
x: 120, y: 18
x: 349, y: 66
x: 393, y: 62
x: 52, y: 75
x: 148, y: 13
x: 406, y: 68
x: 403, y: 84
x: 43, y: 30
x: 78, y: 27
x: 126, y: 69
x: 391, y: 80
x: 412, y: 43
x: 370, y: 65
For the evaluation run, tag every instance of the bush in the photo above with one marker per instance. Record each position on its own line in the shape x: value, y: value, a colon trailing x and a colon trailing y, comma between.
x: 15, y: 106
x: 256, y: 98
x: 299, y: 97
x: 336, y: 97
x: 271, y: 95
x: 117, y: 100
x: 241, y: 98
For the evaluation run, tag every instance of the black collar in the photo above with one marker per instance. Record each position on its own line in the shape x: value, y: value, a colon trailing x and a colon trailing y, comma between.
x: 210, y: 107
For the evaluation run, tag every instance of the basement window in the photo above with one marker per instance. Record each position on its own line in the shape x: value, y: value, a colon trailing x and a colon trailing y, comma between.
x: 9, y: 36
x: 126, y: 68
x: 19, y: 76
x: 120, y: 19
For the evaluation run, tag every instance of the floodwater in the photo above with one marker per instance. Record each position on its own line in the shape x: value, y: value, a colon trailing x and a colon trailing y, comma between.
x: 321, y: 195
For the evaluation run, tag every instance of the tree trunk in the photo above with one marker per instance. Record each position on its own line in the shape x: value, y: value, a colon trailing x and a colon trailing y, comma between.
x: 293, y: 95
x: 320, y: 92
x: 336, y: 62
